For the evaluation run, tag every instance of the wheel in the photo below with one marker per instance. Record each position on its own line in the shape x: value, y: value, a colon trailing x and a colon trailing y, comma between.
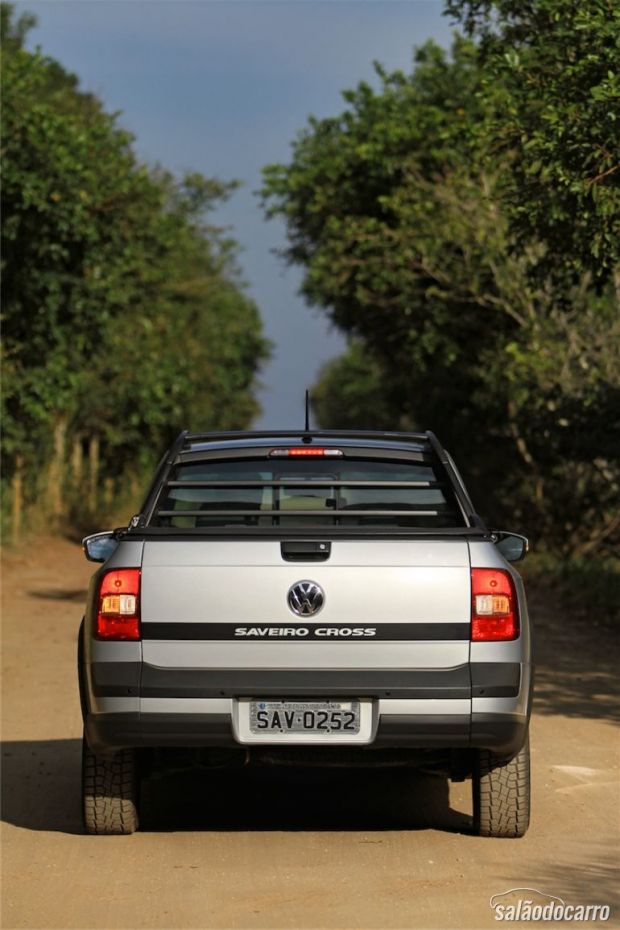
x: 501, y: 793
x: 110, y: 791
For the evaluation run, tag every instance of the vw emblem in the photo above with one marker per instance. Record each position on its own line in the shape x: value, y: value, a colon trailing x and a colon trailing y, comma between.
x: 306, y: 598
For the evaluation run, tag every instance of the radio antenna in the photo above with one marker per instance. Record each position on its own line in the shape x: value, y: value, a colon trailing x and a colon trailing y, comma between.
x: 307, y: 429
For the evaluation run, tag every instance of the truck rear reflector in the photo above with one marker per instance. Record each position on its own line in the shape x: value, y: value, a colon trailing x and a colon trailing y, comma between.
x: 118, y: 604
x: 494, y: 607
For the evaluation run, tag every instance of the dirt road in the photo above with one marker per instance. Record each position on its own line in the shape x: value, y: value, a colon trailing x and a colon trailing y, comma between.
x: 291, y: 850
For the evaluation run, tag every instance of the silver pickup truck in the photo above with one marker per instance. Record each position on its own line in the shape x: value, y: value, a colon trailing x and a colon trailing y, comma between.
x: 320, y: 596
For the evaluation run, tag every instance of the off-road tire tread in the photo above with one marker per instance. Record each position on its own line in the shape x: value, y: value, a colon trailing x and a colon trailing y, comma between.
x: 110, y: 791
x: 501, y: 794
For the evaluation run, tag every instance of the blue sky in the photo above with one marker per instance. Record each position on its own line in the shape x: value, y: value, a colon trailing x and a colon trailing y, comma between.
x: 223, y: 87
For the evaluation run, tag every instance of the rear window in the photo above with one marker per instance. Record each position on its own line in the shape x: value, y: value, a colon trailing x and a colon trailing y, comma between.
x: 306, y: 492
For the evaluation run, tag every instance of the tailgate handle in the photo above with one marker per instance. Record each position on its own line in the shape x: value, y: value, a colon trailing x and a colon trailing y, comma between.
x: 305, y: 550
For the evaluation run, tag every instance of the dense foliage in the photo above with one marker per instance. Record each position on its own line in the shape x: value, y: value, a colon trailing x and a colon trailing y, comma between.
x: 124, y: 318
x: 461, y: 224
x: 551, y: 88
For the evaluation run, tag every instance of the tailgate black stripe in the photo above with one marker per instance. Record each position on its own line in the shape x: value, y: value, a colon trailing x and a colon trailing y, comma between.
x: 314, y: 631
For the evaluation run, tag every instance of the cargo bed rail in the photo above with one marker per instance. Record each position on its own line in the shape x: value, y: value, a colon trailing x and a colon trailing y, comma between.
x: 330, y: 513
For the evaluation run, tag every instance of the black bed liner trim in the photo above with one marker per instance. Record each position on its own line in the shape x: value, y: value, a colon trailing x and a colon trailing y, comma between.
x: 170, y: 534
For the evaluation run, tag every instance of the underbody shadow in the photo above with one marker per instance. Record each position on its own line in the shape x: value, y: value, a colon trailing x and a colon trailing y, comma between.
x: 41, y: 790
x: 301, y: 799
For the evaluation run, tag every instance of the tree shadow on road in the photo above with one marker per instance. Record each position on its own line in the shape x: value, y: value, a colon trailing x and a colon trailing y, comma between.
x: 576, y: 665
x: 77, y: 595
x: 592, y: 881
x: 41, y: 791
x: 41, y: 784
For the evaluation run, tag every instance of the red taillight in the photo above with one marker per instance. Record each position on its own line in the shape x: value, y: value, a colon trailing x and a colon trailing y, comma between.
x: 118, y: 605
x: 494, y: 608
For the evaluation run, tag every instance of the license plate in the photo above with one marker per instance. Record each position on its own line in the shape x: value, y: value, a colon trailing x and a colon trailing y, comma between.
x: 322, y: 718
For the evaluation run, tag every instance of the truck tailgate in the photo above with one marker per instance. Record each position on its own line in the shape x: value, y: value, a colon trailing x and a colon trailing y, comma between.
x: 413, y: 595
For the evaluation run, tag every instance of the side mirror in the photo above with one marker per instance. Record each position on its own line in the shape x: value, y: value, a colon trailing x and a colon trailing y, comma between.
x: 511, y: 545
x: 100, y: 546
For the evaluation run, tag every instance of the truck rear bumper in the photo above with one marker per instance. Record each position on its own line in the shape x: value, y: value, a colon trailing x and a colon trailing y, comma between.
x: 477, y: 705
x: 503, y: 733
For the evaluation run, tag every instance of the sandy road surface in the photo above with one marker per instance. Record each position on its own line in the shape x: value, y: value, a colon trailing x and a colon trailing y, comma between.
x: 285, y: 849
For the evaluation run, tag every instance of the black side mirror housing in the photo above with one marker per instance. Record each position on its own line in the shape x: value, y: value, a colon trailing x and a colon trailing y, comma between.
x: 100, y: 546
x: 512, y: 546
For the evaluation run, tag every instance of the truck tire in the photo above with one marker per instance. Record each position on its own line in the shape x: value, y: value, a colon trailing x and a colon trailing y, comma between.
x: 501, y: 793
x: 110, y: 786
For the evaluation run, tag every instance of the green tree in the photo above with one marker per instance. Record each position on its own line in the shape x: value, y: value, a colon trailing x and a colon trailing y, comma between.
x: 551, y: 89
x: 124, y: 315
x: 350, y: 392
x: 404, y: 220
